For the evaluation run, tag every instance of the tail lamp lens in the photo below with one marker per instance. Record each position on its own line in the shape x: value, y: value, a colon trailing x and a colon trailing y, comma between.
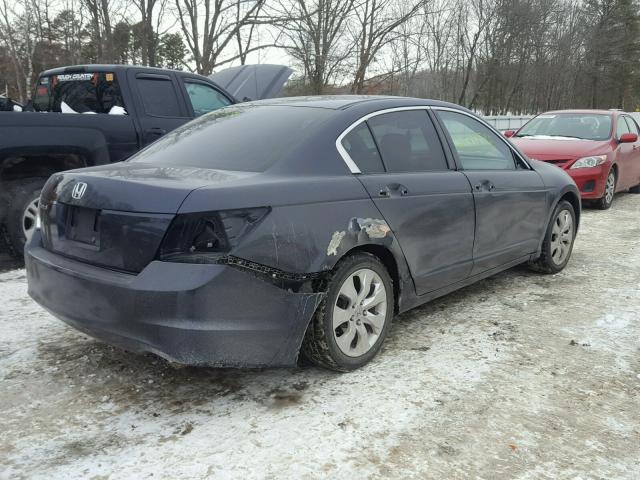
x: 206, y: 237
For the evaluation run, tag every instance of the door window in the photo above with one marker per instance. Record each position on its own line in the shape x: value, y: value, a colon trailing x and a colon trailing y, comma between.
x: 622, y: 127
x: 476, y: 146
x: 159, y: 97
x: 205, y: 99
x: 408, y: 141
x: 362, y: 149
x: 633, y: 128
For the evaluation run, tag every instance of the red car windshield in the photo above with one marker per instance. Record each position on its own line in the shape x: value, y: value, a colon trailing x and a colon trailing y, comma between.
x: 585, y: 126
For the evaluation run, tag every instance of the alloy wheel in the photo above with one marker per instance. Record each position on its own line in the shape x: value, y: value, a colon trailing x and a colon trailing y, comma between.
x: 360, y: 312
x: 29, y: 218
x: 561, y: 237
x: 610, y: 187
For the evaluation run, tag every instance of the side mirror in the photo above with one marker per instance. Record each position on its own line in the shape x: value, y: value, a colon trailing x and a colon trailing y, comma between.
x: 509, y: 133
x: 628, y: 138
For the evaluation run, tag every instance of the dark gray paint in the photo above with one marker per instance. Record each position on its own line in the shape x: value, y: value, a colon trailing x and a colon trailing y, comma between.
x: 440, y: 235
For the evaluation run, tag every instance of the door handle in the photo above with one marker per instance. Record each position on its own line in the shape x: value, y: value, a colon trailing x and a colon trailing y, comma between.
x: 155, y: 131
x: 394, y: 189
x: 484, y: 185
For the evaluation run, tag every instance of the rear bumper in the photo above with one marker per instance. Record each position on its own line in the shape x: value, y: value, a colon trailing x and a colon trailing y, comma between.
x: 590, y: 181
x: 212, y: 315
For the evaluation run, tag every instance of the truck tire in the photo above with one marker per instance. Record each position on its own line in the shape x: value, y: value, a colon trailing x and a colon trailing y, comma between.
x: 20, y: 221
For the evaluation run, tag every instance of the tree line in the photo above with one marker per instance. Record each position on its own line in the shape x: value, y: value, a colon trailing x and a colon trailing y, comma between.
x: 494, y: 56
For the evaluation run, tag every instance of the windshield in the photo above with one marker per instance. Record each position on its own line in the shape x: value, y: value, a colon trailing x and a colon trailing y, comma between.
x: 586, y: 126
x: 247, y: 138
x: 79, y: 93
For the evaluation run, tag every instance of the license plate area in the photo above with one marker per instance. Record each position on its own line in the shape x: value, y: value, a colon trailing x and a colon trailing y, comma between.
x: 83, y: 225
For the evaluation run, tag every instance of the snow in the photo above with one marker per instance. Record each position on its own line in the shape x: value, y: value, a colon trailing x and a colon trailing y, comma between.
x: 519, y: 376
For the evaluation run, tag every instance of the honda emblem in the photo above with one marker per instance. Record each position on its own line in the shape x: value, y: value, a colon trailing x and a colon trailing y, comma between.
x: 78, y: 190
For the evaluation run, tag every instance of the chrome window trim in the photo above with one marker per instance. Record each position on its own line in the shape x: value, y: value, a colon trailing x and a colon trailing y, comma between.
x: 483, y: 122
x: 353, y: 167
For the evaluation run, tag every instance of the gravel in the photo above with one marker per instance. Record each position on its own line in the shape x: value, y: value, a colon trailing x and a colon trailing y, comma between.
x: 521, y: 376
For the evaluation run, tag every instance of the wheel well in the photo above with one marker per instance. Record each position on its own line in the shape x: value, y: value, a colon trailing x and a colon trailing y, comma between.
x: 23, y: 166
x: 573, y: 199
x: 388, y: 260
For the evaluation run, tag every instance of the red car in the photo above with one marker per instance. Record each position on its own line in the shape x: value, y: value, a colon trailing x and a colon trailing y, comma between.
x: 598, y: 148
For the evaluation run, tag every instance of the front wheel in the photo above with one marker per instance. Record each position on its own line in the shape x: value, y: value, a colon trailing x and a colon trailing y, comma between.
x: 558, y: 240
x: 352, y: 321
x: 605, y: 202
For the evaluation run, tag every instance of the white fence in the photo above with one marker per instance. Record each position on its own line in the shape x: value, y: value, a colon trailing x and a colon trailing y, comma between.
x: 507, y: 122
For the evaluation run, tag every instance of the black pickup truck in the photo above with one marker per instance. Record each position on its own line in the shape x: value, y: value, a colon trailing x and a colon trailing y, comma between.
x: 96, y: 114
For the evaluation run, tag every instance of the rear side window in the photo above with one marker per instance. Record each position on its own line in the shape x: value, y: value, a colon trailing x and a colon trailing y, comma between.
x: 244, y: 138
x: 205, y: 99
x: 158, y: 97
x: 477, y: 147
x: 408, y: 141
x: 362, y: 149
x: 86, y: 92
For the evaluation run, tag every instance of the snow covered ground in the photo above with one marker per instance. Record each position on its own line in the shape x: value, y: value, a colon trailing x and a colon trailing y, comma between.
x: 520, y: 376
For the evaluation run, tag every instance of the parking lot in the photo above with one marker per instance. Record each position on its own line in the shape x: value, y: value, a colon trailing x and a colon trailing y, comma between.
x: 519, y: 376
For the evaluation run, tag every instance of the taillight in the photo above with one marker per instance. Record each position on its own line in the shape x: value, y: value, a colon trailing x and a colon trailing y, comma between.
x: 206, y: 237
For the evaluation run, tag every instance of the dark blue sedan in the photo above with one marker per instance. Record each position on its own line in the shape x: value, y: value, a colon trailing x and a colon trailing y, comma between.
x: 267, y: 230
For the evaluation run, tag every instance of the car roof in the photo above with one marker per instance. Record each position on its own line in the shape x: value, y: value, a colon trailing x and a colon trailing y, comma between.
x: 344, y: 102
x: 585, y: 111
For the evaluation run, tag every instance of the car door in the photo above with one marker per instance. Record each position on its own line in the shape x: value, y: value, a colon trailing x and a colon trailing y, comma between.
x: 627, y: 155
x: 160, y: 105
x: 428, y: 205
x: 635, y: 154
x: 510, y: 197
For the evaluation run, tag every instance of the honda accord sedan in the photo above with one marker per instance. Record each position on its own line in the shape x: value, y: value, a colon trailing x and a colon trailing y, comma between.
x: 599, y: 149
x: 267, y: 230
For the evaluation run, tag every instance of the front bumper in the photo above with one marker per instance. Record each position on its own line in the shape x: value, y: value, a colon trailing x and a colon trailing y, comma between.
x: 214, y: 315
x: 590, y: 181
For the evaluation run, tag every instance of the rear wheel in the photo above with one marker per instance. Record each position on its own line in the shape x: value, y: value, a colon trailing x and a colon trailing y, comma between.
x: 558, y: 240
x: 352, y: 321
x: 635, y: 189
x: 22, y: 213
x: 605, y: 202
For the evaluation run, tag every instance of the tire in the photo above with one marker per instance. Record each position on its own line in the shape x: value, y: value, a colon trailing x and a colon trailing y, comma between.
x: 635, y: 189
x: 551, y: 260
x: 24, y: 194
x: 606, y: 201
x: 353, y: 343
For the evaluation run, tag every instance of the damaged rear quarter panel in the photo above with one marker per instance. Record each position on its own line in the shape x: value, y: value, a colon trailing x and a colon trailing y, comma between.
x: 309, y: 229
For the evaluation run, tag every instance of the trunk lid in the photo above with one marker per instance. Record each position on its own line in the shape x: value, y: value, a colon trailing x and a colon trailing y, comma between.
x: 116, y: 216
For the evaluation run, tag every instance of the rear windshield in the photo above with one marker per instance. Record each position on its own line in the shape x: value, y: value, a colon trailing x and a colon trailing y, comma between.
x: 247, y: 138
x: 79, y: 93
x: 590, y: 126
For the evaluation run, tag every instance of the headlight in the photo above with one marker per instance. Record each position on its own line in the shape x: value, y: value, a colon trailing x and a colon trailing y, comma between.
x: 209, y: 236
x: 588, y: 162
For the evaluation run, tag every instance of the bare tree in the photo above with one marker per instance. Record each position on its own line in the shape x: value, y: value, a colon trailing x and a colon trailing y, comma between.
x: 314, y: 34
x: 377, y: 22
x: 152, y: 13
x: 221, y: 21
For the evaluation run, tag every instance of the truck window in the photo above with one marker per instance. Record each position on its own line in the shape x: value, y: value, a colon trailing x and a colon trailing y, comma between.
x: 158, y: 97
x: 86, y: 92
x: 204, y: 98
